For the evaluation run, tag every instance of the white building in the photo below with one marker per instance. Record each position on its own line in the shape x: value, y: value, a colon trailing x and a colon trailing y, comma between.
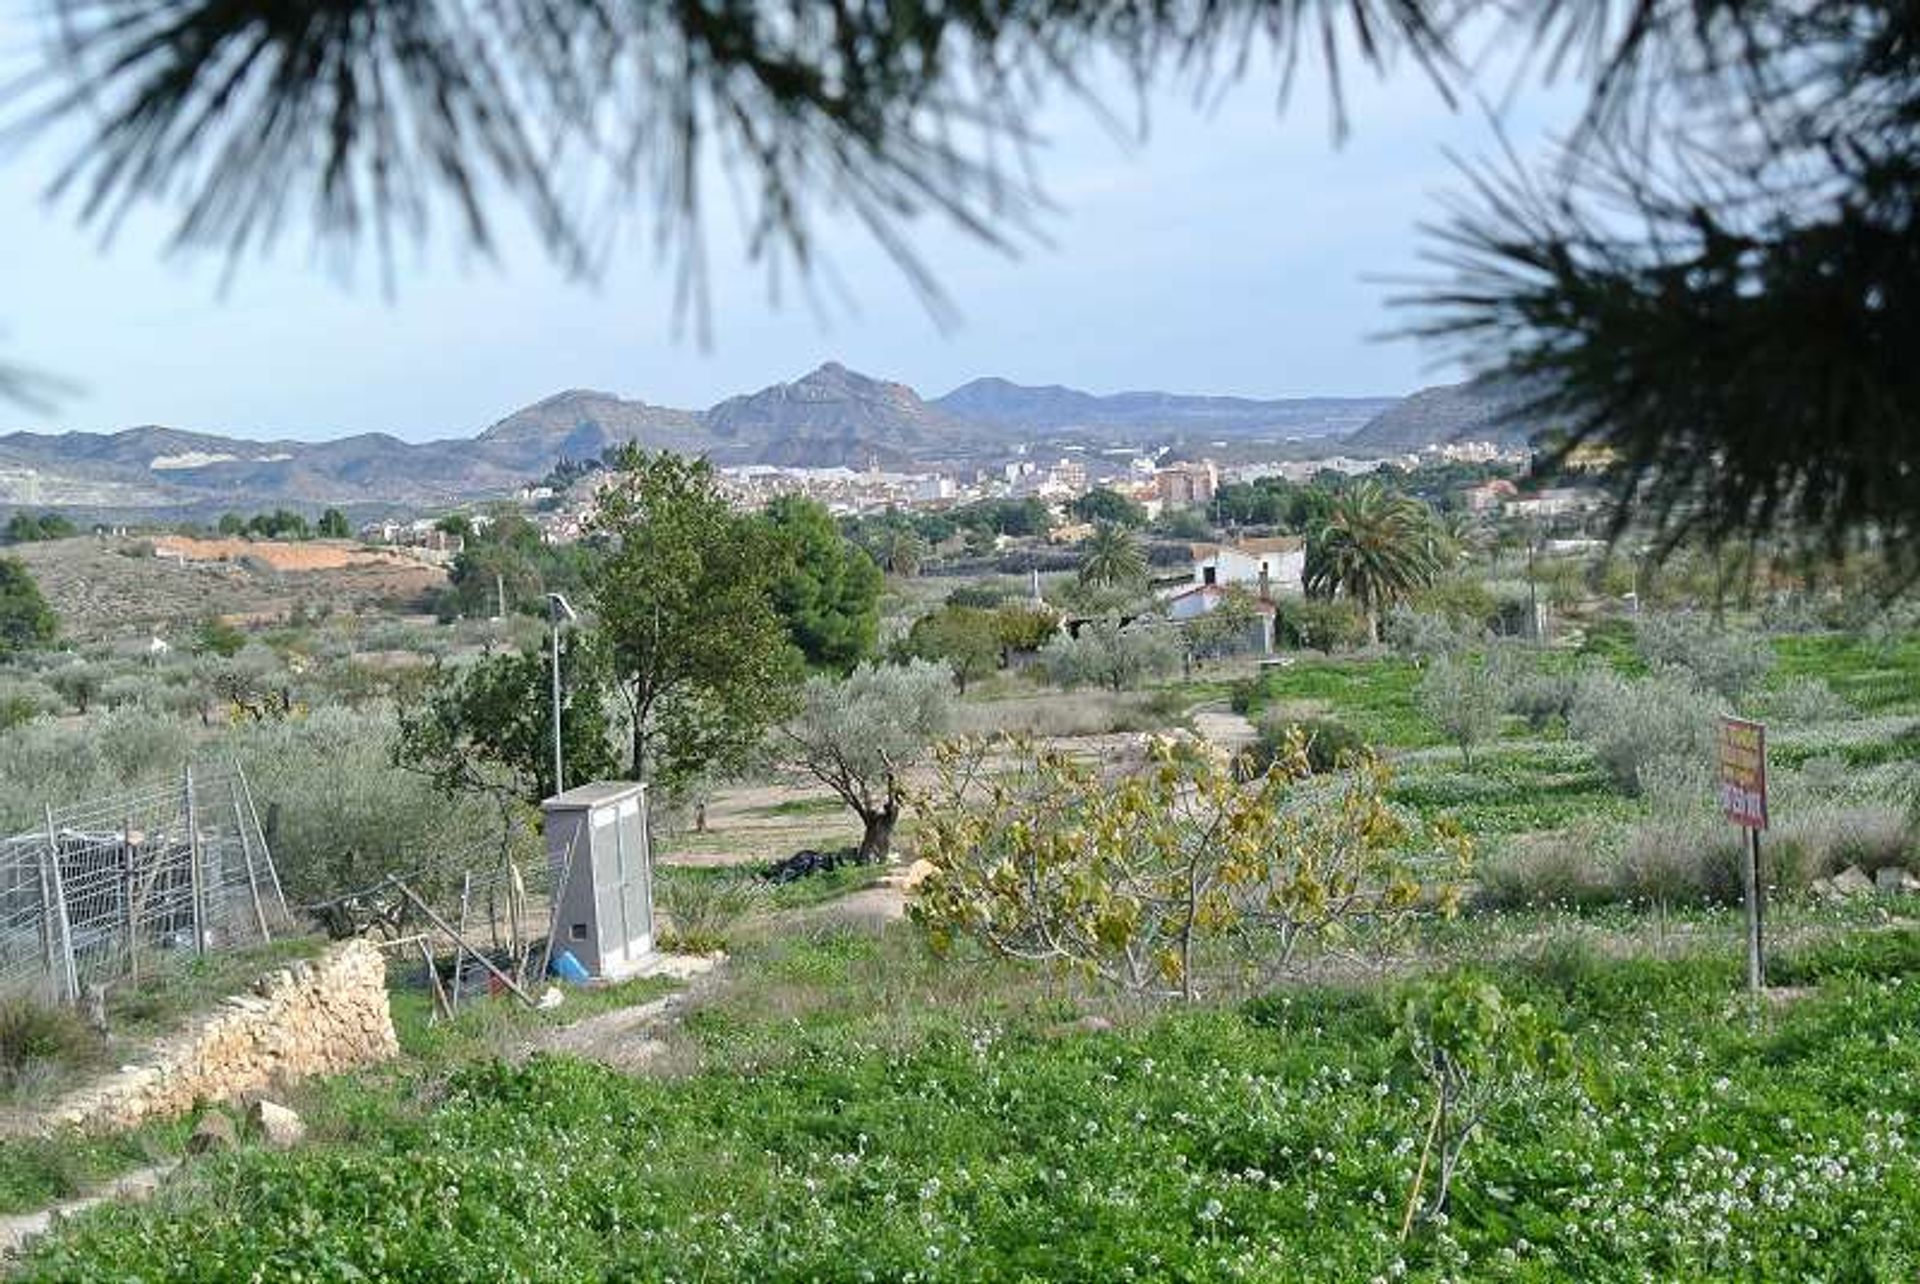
x: 1277, y: 564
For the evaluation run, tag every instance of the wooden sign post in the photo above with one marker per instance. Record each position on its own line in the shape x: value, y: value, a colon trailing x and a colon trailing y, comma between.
x: 1743, y: 797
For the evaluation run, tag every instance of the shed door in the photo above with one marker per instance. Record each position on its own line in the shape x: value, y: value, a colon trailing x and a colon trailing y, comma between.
x: 632, y: 875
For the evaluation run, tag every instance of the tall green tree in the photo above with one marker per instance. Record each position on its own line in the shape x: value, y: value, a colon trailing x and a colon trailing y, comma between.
x: 1111, y: 558
x: 487, y: 727
x: 1102, y: 504
x: 27, y: 623
x: 901, y: 550
x: 965, y: 638
x: 333, y: 525
x: 826, y: 589
x: 683, y: 603
x: 1375, y: 547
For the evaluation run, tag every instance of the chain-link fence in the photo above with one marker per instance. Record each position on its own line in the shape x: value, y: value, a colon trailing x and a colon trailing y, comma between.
x: 110, y: 886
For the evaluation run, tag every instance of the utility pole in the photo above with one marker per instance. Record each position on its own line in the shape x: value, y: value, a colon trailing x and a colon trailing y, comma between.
x: 559, y: 612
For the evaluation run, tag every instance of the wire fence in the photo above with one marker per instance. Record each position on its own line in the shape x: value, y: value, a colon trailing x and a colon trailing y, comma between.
x: 110, y: 886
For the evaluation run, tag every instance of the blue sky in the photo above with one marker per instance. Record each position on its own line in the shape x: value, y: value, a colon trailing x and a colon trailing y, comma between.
x: 1234, y: 250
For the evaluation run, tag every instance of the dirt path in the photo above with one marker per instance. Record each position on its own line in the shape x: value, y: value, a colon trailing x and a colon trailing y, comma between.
x: 626, y: 1038
x: 1225, y: 728
x: 18, y: 1231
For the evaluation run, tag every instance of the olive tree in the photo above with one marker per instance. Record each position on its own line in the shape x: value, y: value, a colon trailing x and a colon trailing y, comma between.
x: 1107, y: 654
x: 1464, y: 696
x: 859, y: 736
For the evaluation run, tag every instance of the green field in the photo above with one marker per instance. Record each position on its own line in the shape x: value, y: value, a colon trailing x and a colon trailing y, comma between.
x: 846, y: 1126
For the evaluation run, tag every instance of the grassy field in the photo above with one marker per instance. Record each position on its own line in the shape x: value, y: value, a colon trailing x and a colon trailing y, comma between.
x: 861, y: 1110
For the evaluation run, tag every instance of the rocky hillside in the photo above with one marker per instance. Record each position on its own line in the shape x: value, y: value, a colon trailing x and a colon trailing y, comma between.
x: 1474, y: 411
x: 831, y: 416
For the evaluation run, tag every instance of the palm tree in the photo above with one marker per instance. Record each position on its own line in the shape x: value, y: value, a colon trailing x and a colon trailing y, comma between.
x: 1376, y: 546
x: 1114, y: 558
x: 901, y: 551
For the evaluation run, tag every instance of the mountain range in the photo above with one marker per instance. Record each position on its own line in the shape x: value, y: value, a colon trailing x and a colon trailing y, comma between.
x: 830, y: 416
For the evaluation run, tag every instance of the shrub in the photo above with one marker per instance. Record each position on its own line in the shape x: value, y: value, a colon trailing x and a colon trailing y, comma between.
x: 1632, y: 723
x: 1108, y: 655
x: 1726, y: 661
x: 1542, y: 697
x: 33, y: 1037
x: 702, y: 907
x: 1805, y: 699
x: 1542, y: 870
x: 1320, y: 625
x: 24, y: 699
x: 1420, y: 634
x: 1330, y: 744
x: 1463, y: 696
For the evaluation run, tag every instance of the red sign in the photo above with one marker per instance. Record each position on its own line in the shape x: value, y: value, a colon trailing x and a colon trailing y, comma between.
x: 1743, y: 772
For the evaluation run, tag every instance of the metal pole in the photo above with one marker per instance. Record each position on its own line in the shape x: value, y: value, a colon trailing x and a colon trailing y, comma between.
x: 62, y: 928
x: 559, y: 781
x: 446, y: 927
x: 266, y: 848
x: 195, y: 876
x: 460, y: 937
x: 1756, y: 895
x: 128, y: 883
x: 246, y: 856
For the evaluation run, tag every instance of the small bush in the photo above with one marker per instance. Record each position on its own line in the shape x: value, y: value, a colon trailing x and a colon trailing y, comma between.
x: 1331, y: 744
x: 1546, y: 870
x: 702, y: 907
x: 1728, y: 662
x: 35, y: 1037
x: 1542, y: 698
x: 1632, y: 724
x: 1321, y: 625
x: 1805, y: 700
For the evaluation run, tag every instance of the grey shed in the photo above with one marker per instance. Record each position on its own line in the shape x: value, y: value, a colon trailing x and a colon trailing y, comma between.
x: 602, y: 876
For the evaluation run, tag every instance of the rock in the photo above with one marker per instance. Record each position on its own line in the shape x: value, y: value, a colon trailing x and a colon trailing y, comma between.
x: 1851, y: 882
x: 1894, y: 880
x: 279, y: 1127
x: 1093, y: 1024
x: 213, y: 1134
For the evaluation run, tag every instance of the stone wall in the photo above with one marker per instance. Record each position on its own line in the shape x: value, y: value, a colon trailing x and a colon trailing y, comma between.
x: 310, y: 1018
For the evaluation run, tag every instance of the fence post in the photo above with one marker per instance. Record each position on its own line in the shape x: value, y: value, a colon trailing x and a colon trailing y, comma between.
x: 266, y: 848
x: 61, y: 935
x: 131, y: 912
x: 460, y: 938
x: 246, y: 855
x: 195, y: 876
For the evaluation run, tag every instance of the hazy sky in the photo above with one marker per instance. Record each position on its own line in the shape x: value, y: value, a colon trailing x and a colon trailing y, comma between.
x: 1236, y: 250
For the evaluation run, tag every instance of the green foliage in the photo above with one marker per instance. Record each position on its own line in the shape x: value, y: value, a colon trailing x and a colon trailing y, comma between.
x: 1107, y: 654
x: 1464, y: 696
x: 1473, y: 1047
x: 1326, y: 744
x: 1019, y: 626
x: 1324, y: 626
x: 487, y: 727
x: 1112, y: 558
x: 214, y: 635
x: 965, y: 638
x: 1103, y: 505
x: 703, y: 910
x: 36, y: 1039
x: 1375, y: 697
x: 1050, y: 861
x: 1725, y: 661
x: 1376, y: 548
x: 27, y: 623
x: 333, y: 525
x: 856, y: 1100
x: 827, y: 590
x: 1232, y: 625
x: 861, y: 735
x: 1637, y: 727
x: 30, y: 528
x: 684, y: 607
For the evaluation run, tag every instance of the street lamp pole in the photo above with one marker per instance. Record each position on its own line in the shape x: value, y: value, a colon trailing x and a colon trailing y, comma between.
x: 558, y: 612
